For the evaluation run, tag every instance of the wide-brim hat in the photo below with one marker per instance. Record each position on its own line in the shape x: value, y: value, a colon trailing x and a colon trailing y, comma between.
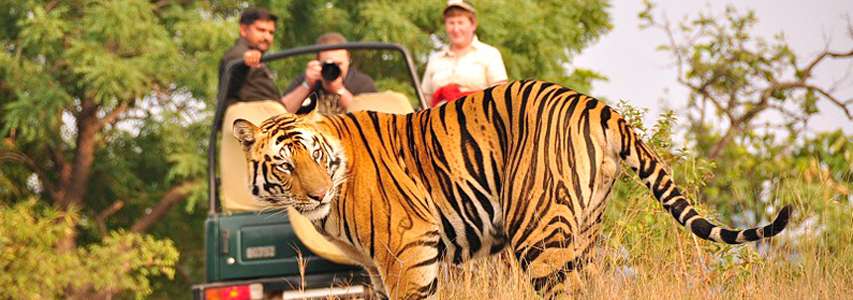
x: 460, y: 4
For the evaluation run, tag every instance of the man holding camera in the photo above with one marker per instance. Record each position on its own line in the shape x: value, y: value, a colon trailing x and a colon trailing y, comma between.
x: 330, y: 73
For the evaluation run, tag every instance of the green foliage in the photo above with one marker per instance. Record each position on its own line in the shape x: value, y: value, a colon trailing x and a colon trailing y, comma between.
x: 581, y: 80
x: 754, y: 173
x: 33, y: 269
x: 30, y: 264
x: 144, y: 75
x: 112, y: 51
x: 820, y: 235
x: 130, y: 260
x: 739, y: 76
x: 634, y: 218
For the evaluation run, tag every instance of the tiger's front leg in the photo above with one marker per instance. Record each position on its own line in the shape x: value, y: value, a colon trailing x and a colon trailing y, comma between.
x: 377, y: 286
x: 412, y: 273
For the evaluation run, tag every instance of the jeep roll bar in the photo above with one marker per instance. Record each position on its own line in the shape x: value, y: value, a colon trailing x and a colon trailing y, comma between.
x: 222, y: 91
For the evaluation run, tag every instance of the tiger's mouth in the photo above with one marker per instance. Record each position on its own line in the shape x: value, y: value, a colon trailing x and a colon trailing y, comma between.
x: 313, y: 211
x: 303, y: 206
x: 310, y: 207
x: 300, y: 204
x: 272, y: 203
x: 278, y: 201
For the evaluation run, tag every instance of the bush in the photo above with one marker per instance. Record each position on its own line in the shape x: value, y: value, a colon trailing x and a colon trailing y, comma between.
x: 32, y: 267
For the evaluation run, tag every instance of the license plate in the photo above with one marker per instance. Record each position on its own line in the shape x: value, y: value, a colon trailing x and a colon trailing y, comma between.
x: 355, y: 291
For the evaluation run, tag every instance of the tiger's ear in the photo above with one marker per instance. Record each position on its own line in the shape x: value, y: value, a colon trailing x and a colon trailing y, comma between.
x: 244, y: 132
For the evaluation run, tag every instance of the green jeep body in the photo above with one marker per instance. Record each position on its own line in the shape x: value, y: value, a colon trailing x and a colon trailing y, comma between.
x: 255, y: 245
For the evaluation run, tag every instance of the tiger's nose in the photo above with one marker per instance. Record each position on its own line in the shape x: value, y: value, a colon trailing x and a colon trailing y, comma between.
x: 318, y: 195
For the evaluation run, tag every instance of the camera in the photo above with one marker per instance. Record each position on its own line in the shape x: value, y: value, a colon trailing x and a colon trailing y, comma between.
x: 330, y: 71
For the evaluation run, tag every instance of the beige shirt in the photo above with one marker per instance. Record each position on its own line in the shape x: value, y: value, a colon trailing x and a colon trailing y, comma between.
x: 477, y: 69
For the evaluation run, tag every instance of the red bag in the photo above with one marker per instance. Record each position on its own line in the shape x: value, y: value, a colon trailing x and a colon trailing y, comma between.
x: 448, y: 93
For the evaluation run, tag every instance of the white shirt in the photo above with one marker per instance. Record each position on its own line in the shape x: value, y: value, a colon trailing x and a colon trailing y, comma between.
x: 477, y: 69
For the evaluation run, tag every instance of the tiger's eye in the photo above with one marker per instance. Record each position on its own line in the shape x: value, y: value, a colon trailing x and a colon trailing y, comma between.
x: 285, y: 167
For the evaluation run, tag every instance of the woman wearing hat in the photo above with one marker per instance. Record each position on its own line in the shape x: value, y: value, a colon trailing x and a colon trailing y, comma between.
x: 465, y: 65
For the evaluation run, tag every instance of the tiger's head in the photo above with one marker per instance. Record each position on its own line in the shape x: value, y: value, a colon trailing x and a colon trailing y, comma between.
x: 291, y: 164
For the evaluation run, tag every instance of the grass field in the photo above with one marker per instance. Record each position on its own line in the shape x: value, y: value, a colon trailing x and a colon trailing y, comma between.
x: 644, y: 254
x: 817, y: 276
x: 680, y: 266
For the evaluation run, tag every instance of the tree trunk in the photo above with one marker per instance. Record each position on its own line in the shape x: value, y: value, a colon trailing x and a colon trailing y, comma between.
x: 74, y: 188
x: 720, y: 145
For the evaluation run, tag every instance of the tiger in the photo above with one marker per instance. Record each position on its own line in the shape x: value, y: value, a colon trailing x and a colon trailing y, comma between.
x: 525, y: 165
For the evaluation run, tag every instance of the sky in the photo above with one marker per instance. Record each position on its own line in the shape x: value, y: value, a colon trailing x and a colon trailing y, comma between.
x: 647, y: 78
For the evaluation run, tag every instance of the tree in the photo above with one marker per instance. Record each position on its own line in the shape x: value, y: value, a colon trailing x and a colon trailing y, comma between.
x: 741, y: 75
x: 736, y: 78
x: 104, y: 107
x: 33, y: 269
x: 736, y: 170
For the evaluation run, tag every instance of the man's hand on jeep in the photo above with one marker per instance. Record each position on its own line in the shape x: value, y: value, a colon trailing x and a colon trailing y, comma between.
x: 252, y: 58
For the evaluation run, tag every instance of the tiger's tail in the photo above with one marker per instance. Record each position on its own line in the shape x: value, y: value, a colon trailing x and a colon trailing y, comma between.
x: 651, y: 170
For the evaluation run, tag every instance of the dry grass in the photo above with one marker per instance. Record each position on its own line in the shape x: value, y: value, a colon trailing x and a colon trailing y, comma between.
x: 645, y: 255
x: 660, y: 278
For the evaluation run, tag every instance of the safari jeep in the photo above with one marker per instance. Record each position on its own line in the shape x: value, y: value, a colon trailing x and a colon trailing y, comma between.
x: 252, y: 253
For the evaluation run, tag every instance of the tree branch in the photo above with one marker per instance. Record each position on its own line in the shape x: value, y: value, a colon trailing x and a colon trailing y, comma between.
x: 61, y: 167
x: 842, y: 105
x: 75, y: 178
x: 675, y: 49
x: 30, y: 164
x: 51, y: 5
x: 175, y: 195
x: 703, y: 90
x: 791, y: 114
x: 849, y: 53
x: 738, y: 124
x: 112, y: 117
x: 101, y: 218
x: 803, y: 85
x: 727, y: 138
x: 807, y: 71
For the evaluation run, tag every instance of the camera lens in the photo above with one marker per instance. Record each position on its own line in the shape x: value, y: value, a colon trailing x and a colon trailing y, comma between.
x: 330, y: 71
